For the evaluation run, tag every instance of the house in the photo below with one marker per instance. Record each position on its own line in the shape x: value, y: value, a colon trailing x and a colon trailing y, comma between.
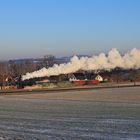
x: 99, y: 78
x: 76, y: 76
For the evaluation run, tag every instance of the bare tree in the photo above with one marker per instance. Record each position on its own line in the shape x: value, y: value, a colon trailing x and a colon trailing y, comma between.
x: 3, y: 73
x: 48, y: 61
x: 17, y: 70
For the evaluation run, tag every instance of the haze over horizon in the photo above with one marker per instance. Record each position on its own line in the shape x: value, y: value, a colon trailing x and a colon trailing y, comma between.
x: 33, y: 28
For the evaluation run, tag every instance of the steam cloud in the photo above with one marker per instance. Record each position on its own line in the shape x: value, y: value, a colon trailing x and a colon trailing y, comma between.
x: 130, y: 60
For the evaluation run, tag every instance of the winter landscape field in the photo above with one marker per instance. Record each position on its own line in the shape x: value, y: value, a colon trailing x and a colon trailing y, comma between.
x: 110, y: 114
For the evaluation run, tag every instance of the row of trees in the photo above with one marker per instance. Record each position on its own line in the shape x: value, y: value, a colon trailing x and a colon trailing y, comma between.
x: 11, y: 70
x: 119, y: 75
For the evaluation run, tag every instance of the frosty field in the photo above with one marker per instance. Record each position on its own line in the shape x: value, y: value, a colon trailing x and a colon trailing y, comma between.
x: 110, y: 114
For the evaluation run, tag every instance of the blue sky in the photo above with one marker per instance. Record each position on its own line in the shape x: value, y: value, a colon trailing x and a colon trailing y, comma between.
x: 33, y: 28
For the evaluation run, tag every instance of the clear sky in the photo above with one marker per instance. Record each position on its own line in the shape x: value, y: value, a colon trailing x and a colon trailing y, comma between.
x: 33, y: 28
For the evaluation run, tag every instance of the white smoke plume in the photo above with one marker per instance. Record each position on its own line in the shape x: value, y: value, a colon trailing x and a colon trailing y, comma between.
x: 130, y: 60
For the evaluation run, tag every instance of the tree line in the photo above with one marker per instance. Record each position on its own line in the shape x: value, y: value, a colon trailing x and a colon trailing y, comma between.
x: 11, y: 70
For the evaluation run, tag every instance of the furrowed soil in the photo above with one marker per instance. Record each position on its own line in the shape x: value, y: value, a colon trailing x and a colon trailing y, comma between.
x: 100, y: 114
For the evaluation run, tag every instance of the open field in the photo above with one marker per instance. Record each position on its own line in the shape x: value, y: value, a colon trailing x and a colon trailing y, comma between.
x: 110, y: 114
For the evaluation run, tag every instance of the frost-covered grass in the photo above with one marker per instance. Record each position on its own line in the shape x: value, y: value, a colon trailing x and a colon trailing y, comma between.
x: 76, y: 115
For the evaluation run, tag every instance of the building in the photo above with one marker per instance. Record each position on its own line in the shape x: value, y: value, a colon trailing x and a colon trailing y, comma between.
x: 99, y: 78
